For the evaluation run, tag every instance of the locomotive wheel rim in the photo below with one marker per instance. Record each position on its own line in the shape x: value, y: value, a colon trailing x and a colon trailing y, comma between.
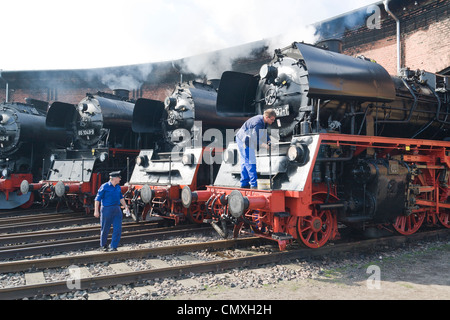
x: 29, y: 203
x: 314, y: 231
x: 444, y: 219
x: 196, y: 215
x: 408, y: 225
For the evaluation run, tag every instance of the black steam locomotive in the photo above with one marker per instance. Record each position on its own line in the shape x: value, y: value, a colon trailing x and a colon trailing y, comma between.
x: 186, y: 154
x: 25, y: 146
x: 350, y: 148
x: 98, y: 130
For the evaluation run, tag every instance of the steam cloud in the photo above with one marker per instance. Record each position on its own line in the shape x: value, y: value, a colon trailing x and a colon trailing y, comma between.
x: 130, y: 77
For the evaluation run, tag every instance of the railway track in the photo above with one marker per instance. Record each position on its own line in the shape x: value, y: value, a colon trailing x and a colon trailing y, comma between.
x: 43, y: 221
x: 222, y: 263
x: 86, y: 238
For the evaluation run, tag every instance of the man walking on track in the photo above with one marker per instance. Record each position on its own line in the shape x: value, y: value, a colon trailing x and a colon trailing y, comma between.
x: 111, y: 198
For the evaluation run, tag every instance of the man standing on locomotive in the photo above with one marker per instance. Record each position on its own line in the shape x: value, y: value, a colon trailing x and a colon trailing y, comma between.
x: 110, y: 196
x: 250, y: 137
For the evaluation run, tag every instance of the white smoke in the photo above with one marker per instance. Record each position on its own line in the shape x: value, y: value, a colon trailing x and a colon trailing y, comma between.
x: 212, y: 65
x: 130, y: 78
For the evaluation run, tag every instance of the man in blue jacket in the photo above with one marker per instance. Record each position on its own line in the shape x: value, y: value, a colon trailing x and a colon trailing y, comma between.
x: 250, y: 137
x: 110, y: 196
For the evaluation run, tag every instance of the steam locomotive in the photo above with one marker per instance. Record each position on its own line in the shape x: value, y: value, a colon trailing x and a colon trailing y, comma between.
x: 184, y: 157
x: 25, y: 145
x: 98, y: 131
x: 354, y: 146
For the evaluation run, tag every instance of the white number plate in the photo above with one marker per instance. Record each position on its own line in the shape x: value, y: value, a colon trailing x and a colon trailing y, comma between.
x: 282, y: 111
x: 87, y: 132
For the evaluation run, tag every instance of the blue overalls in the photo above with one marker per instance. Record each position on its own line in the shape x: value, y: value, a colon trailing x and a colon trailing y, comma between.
x: 248, y: 140
x: 111, y: 214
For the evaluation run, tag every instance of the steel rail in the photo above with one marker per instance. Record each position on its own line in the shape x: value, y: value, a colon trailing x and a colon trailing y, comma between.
x: 59, y: 234
x: 93, y: 242
x: 54, y: 223
x: 59, y: 262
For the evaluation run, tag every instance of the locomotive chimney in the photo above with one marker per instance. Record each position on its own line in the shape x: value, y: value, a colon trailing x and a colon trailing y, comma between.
x: 334, y: 45
x: 122, y: 93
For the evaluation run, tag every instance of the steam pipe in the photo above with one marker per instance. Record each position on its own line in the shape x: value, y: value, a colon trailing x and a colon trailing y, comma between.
x: 397, y: 21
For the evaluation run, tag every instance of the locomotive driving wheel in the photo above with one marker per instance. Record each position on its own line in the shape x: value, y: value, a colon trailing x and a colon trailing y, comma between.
x: 444, y: 214
x: 407, y: 225
x: 197, y: 214
x: 410, y: 223
x: 315, y: 230
x: 29, y: 203
x: 444, y: 218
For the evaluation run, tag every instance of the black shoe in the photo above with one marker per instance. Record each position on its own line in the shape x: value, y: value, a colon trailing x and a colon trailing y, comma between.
x: 112, y: 249
x: 246, y: 187
x: 104, y: 248
x: 254, y: 188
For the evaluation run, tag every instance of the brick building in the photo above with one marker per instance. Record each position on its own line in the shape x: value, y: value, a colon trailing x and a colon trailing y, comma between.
x: 424, y: 43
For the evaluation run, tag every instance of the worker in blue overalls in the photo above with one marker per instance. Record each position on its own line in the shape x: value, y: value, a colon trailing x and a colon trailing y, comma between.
x: 250, y: 137
x: 110, y: 196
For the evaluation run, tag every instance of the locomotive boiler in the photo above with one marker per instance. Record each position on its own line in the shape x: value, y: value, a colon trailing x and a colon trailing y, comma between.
x: 24, y: 143
x: 192, y: 142
x: 355, y: 146
x: 98, y: 119
x: 101, y: 140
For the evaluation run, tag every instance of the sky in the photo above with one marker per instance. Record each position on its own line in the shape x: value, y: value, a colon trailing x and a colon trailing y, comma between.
x: 80, y: 34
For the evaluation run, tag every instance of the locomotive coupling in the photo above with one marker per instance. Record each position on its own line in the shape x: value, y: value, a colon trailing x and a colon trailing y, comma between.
x: 148, y: 194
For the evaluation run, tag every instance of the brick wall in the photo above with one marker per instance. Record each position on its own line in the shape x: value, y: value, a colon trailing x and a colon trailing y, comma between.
x: 425, y: 40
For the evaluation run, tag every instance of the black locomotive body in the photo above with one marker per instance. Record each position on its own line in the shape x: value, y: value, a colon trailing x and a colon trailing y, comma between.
x: 191, y: 135
x: 98, y: 130
x: 25, y: 146
x: 352, y: 145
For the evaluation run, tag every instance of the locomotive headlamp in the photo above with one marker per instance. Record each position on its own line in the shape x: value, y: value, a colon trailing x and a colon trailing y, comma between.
x: 103, y: 156
x: 188, y: 159
x: 6, y: 172
x: 83, y: 107
x: 298, y: 153
x: 53, y: 157
x: 170, y: 102
x: 268, y: 72
x: 141, y: 161
x: 3, y: 118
